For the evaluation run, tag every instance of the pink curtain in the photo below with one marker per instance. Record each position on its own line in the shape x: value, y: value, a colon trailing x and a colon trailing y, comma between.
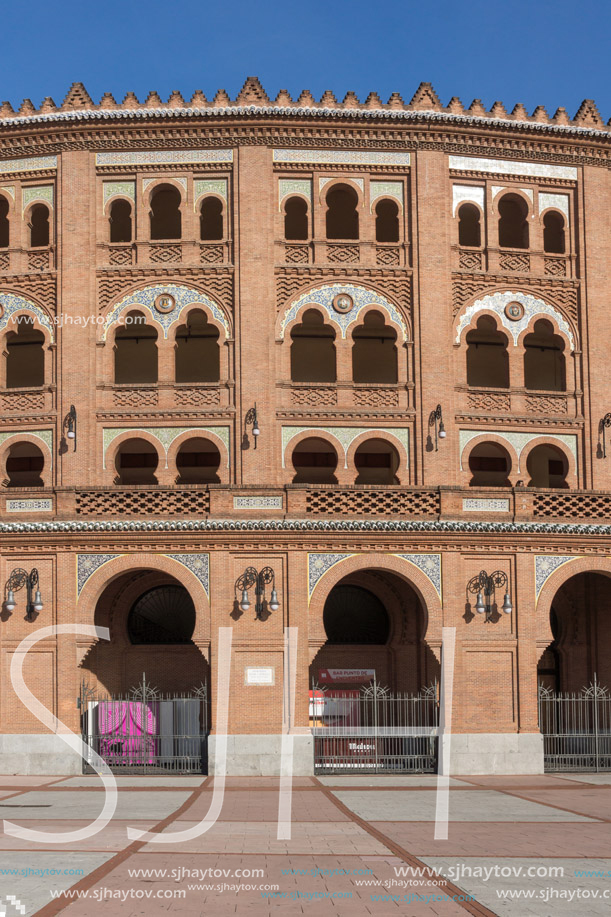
x: 127, y: 731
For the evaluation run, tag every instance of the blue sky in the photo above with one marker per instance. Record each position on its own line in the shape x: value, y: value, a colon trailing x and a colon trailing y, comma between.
x: 548, y: 52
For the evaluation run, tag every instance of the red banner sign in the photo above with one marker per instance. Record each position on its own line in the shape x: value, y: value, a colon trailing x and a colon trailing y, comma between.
x: 347, y: 676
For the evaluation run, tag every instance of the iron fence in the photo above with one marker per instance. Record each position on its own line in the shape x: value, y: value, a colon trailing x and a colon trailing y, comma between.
x: 372, y: 730
x: 145, y: 731
x: 576, y: 729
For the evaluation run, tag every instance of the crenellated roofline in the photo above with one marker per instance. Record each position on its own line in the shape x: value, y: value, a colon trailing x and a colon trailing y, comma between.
x: 253, y: 101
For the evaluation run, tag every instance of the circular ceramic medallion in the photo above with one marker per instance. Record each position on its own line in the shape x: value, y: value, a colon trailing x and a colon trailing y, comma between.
x: 514, y: 311
x: 165, y: 303
x: 343, y: 303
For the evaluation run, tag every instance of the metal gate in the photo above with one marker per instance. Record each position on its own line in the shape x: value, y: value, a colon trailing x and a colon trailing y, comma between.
x: 146, y: 732
x: 374, y: 731
x: 576, y: 729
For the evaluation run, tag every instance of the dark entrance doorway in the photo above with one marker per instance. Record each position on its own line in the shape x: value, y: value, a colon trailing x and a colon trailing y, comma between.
x: 574, y: 674
x: 144, y: 695
x: 374, y: 705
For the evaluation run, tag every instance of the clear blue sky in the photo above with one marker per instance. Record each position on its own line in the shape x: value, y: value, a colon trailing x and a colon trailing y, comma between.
x: 548, y: 52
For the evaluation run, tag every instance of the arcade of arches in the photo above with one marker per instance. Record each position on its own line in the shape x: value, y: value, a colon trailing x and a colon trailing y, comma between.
x: 367, y: 618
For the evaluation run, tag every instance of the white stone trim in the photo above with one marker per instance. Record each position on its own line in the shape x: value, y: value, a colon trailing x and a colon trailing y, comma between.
x: 344, y: 157
x: 345, y: 436
x: 510, y: 167
x: 472, y: 505
x: 557, y: 201
x: 471, y: 194
x: 161, y: 157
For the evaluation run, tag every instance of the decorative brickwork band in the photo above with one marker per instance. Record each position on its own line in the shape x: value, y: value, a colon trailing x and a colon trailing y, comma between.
x: 162, y: 157
x: 32, y: 164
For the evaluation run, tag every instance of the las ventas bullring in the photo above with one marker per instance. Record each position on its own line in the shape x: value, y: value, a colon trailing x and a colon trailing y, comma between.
x: 306, y: 428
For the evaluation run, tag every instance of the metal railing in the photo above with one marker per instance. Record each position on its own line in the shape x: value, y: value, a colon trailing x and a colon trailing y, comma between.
x: 145, y: 731
x: 372, y: 730
x: 576, y: 729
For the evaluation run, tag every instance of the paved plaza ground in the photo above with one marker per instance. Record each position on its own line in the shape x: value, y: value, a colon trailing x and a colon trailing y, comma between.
x: 516, y: 846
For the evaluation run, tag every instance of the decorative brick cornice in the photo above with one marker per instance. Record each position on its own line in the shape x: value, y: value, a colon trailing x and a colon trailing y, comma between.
x: 308, y: 525
x: 253, y: 101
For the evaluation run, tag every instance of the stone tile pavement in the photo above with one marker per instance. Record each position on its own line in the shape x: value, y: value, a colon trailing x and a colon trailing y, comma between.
x: 359, y: 845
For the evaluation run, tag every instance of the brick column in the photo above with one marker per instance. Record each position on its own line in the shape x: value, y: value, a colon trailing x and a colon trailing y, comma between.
x: 256, y: 313
x: 433, y: 297
x: 76, y: 362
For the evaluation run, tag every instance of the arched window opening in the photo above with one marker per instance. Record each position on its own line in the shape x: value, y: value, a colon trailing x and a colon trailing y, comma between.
x: 313, y: 350
x: 374, y: 351
x: 355, y: 615
x: 211, y: 220
x: 25, y: 358
x: 296, y: 219
x: 39, y: 226
x: 490, y: 465
x: 342, y: 213
x: 314, y: 461
x: 135, y: 351
x: 120, y: 221
x: 469, y: 228
x: 136, y: 462
x: 24, y: 465
x: 547, y: 467
x: 163, y: 615
x: 544, y: 361
x: 4, y: 223
x: 165, y: 213
x: 553, y: 233
x: 376, y: 462
x: 387, y: 221
x: 513, y: 222
x: 487, y: 357
x: 198, y: 462
x: 197, y: 350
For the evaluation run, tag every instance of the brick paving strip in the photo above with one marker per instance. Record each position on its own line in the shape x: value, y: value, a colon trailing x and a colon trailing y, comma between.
x: 443, y: 885
x: 551, y: 805
x: 58, y: 905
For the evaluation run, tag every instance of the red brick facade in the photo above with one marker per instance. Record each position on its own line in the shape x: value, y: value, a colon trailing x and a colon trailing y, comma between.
x: 469, y: 251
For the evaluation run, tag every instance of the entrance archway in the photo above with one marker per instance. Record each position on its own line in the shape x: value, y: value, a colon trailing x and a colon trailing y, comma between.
x: 574, y: 675
x: 373, y: 676
x: 144, y: 692
x: 374, y: 620
x: 152, y: 617
x: 580, y: 621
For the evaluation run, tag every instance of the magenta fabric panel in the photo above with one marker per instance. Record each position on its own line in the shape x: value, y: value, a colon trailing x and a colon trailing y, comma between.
x: 128, y: 731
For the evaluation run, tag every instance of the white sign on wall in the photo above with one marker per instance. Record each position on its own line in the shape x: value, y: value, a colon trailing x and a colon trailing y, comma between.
x: 259, y: 675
